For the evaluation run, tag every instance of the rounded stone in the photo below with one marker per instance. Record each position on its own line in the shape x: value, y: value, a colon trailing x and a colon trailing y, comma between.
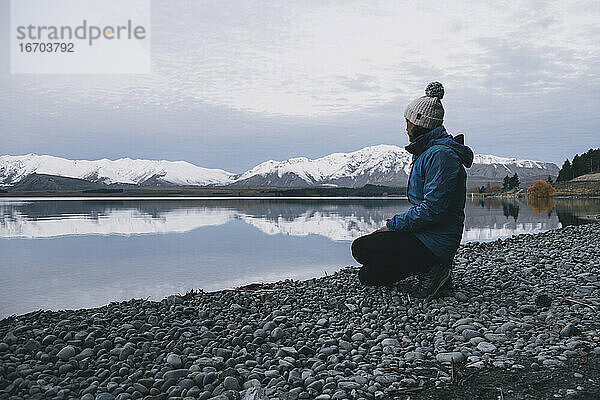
x: 175, y: 360
x: 231, y: 383
x: 454, y: 356
x: 66, y: 352
x: 486, y: 347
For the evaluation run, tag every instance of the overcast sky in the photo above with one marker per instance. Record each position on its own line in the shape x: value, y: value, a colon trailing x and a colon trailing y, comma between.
x: 235, y: 83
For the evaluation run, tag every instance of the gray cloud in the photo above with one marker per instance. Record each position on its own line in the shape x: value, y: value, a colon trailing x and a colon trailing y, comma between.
x: 360, y: 82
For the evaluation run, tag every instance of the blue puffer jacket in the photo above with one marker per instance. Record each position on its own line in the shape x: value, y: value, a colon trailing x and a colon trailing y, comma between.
x: 437, y: 190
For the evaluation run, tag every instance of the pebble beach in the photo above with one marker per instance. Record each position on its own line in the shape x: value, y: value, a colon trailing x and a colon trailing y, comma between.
x: 526, y: 304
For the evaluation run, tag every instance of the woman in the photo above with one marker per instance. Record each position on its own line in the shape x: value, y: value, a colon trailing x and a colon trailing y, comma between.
x: 423, y: 240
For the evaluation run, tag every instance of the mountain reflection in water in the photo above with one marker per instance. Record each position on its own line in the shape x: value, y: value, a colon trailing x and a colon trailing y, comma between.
x: 340, y: 220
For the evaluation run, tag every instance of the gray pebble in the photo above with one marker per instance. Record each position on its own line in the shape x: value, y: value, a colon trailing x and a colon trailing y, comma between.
x: 454, y: 356
x: 66, y: 352
x: 175, y: 361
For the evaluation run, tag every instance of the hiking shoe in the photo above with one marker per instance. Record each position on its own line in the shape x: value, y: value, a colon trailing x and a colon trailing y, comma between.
x: 439, y: 277
x: 446, y: 287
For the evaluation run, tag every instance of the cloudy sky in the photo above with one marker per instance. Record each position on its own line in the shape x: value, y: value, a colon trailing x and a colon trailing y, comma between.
x: 235, y: 83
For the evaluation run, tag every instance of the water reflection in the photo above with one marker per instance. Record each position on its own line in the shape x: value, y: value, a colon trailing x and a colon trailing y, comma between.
x: 541, y: 206
x: 510, y: 210
x: 339, y: 220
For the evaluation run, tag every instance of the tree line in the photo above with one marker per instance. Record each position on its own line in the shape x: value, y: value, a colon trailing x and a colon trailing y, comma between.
x: 510, y: 182
x: 586, y: 163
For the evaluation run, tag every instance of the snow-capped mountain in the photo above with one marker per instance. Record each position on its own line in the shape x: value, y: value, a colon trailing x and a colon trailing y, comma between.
x: 383, y: 164
x: 493, y: 169
x: 124, y: 170
x: 386, y: 165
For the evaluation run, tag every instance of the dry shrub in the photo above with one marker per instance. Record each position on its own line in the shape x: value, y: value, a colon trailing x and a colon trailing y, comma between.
x: 540, y: 188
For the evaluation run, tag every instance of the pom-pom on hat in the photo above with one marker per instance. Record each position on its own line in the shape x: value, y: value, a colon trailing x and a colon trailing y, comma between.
x: 427, y: 111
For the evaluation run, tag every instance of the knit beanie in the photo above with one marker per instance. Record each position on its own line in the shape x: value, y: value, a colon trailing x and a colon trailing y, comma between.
x: 427, y: 111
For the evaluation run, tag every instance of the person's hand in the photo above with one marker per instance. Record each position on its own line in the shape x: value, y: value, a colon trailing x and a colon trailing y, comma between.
x: 383, y: 229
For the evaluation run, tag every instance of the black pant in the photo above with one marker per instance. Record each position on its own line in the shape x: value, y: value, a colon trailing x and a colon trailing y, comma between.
x: 388, y: 257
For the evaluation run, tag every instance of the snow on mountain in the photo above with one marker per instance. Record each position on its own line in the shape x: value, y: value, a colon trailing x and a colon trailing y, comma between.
x: 124, y: 170
x: 489, y: 159
x: 493, y: 169
x: 383, y: 165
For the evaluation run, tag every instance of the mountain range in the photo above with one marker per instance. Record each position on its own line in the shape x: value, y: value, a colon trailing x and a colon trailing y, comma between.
x: 385, y: 165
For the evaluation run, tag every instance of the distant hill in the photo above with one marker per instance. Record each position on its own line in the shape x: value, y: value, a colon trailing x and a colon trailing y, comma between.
x: 42, y: 182
x: 594, y: 177
x: 584, y: 185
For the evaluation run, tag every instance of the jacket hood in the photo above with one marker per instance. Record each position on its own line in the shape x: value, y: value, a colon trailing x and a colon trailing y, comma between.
x: 439, y: 135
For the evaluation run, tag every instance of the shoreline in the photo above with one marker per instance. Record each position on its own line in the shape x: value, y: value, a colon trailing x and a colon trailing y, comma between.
x: 79, y: 197
x: 129, y: 198
x: 522, y: 306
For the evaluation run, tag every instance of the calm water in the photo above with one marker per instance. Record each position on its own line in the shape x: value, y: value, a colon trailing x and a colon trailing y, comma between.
x: 57, y: 254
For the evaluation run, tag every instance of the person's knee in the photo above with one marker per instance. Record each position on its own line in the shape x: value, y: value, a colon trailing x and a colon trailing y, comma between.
x: 356, y: 244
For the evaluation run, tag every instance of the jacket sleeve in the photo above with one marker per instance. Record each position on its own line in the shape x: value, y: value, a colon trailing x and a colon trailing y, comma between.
x: 441, y: 174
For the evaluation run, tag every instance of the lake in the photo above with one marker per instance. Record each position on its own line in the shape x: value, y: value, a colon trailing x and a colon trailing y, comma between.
x: 76, y: 253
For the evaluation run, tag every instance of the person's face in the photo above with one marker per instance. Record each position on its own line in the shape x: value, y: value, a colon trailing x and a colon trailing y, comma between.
x: 410, y: 130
